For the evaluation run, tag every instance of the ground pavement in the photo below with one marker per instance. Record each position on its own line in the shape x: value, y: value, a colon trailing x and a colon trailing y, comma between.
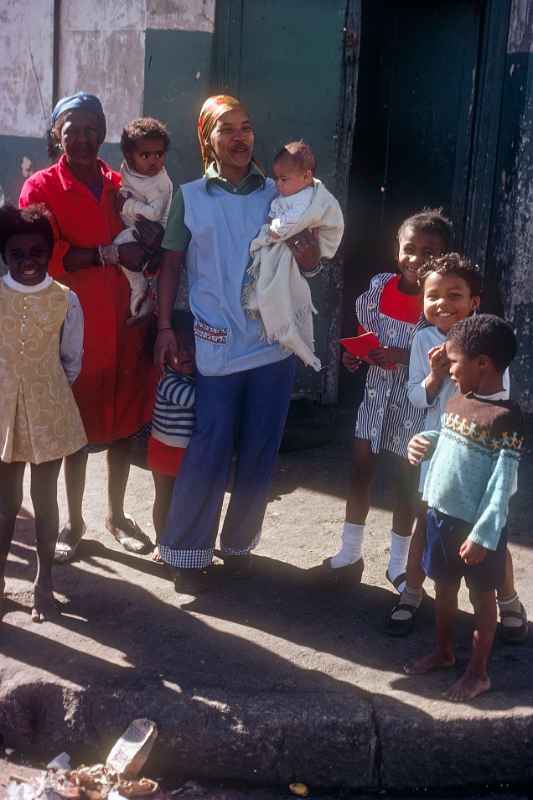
x: 266, y: 680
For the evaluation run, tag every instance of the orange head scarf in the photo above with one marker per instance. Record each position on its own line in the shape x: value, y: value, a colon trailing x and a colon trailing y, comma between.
x: 212, y: 110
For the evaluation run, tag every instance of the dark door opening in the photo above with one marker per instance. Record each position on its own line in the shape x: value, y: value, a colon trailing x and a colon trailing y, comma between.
x: 413, y: 133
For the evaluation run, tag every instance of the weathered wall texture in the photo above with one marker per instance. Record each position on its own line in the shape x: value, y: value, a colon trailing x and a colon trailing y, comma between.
x: 102, y: 48
x: 26, y: 56
x: 512, y: 239
x: 139, y: 57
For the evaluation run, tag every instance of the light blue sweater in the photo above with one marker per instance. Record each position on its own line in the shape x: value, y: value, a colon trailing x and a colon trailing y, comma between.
x: 473, y: 470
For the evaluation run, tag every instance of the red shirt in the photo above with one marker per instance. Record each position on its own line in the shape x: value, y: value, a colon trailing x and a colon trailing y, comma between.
x: 115, y: 388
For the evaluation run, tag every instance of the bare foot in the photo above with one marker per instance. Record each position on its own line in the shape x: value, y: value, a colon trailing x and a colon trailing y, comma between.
x: 467, y: 687
x: 429, y: 663
x: 44, y: 605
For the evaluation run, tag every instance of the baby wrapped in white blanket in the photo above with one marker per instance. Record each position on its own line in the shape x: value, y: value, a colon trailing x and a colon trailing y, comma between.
x: 277, y: 293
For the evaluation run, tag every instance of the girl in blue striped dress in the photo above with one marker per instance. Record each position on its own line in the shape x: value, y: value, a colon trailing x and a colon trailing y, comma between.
x: 173, y: 421
x: 390, y: 309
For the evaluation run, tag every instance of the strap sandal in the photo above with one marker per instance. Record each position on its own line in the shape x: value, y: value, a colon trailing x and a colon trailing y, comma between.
x: 130, y: 536
x: 67, y: 543
x: 403, y: 626
x: 514, y: 634
x: 397, y: 581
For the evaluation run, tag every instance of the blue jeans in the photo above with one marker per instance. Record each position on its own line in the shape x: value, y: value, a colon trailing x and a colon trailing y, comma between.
x: 243, y: 413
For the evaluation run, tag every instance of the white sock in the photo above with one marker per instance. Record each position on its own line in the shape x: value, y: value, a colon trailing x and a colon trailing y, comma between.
x: 351, y: 546
x: 399, y: 550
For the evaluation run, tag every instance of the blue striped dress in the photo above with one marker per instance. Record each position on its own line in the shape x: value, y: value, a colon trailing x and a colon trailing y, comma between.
x: 385, y: 417
x: 174, y: 416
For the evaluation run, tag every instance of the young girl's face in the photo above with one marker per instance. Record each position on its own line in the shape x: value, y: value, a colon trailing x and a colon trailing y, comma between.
x: 447, y: 300
x: 27, y: 256
x: 148, y: 156
x: 415, y: 247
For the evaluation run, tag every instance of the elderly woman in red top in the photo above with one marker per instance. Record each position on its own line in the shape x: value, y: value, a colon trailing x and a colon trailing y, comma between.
x: 115, y: 388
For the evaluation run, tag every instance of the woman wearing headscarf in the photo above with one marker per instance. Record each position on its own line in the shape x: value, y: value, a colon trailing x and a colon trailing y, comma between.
x: 243, y: 382
x: 114, y: 391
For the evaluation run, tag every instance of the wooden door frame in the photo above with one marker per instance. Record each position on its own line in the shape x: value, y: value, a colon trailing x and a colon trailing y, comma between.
x: 475, y: 233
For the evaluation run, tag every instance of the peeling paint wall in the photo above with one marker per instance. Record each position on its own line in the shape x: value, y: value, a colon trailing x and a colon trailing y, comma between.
x: 26, y: 56
x: 101, y: 50
x: 101, y: 47
x: 512, y: 234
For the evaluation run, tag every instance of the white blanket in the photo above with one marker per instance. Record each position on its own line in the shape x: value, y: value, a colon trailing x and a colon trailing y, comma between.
x: 278, y: 294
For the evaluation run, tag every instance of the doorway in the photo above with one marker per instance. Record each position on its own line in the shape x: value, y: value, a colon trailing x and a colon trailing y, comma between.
x: 413, y: 135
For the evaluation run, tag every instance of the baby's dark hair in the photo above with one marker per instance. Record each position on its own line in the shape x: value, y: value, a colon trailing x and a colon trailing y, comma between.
x: 432, y: 221
x: 143, y: 128
x: 485, y: 335
x: 454, y: 264
x: 299, y: 155
x: 21, y: 221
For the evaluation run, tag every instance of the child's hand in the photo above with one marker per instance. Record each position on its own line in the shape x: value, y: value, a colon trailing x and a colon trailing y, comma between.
x: 418, y: 449
x: 438, y: 361
x: 472, y: 553
x: 352, y: 363
x: 383, y: 356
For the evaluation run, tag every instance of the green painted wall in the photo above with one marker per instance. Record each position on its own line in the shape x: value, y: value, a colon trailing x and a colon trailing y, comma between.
x: 177, y: 81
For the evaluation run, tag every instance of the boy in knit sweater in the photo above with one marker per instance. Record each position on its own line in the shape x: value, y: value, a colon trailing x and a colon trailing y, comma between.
x: 471, y: 478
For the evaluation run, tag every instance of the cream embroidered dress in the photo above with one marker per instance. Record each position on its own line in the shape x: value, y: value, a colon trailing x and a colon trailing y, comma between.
x: 39, y: 418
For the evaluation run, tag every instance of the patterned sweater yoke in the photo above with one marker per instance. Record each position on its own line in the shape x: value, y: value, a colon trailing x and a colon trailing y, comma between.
x: 473, y: 471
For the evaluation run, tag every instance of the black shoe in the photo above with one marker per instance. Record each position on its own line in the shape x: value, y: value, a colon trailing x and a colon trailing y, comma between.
x: 237, y: 566
x: 193, y: 581
x: 327, y: 576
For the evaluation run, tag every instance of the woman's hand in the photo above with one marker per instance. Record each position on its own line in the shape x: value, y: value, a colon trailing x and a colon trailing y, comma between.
x: 418, y: 449
x: 352, y: 363
x: 472, y: 553
x: 305, y: 249
x: 149, y: 234
x: 166, y: 349
x: 120, y: 199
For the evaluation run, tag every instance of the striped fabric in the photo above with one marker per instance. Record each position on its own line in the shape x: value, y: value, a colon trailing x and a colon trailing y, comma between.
x: 385, y: 417
x: 174, y: 416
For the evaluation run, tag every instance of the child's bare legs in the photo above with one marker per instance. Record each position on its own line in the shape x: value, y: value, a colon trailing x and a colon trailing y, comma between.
x: 357, y: 506
x: 513, y: 618
x: 75, y: 471
x: 405, y: 481
x: 402, y: 615
x: 414, y: 572
x: 362, y: 478
x: 446, y: 611
x: 475, y: 680
x: 44, y: 498
x: 11, y: 476
x: 163, y: 484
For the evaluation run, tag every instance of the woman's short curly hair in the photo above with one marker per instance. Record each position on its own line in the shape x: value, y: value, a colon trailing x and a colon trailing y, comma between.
x: 453, y: 264
x: 33, y: 219
x: 143, y: 128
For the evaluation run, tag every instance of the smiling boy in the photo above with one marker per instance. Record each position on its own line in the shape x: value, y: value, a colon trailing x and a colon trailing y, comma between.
x: 471, y: 479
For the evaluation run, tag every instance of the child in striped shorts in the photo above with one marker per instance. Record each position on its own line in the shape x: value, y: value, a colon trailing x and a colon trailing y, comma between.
x: 172, y: 422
